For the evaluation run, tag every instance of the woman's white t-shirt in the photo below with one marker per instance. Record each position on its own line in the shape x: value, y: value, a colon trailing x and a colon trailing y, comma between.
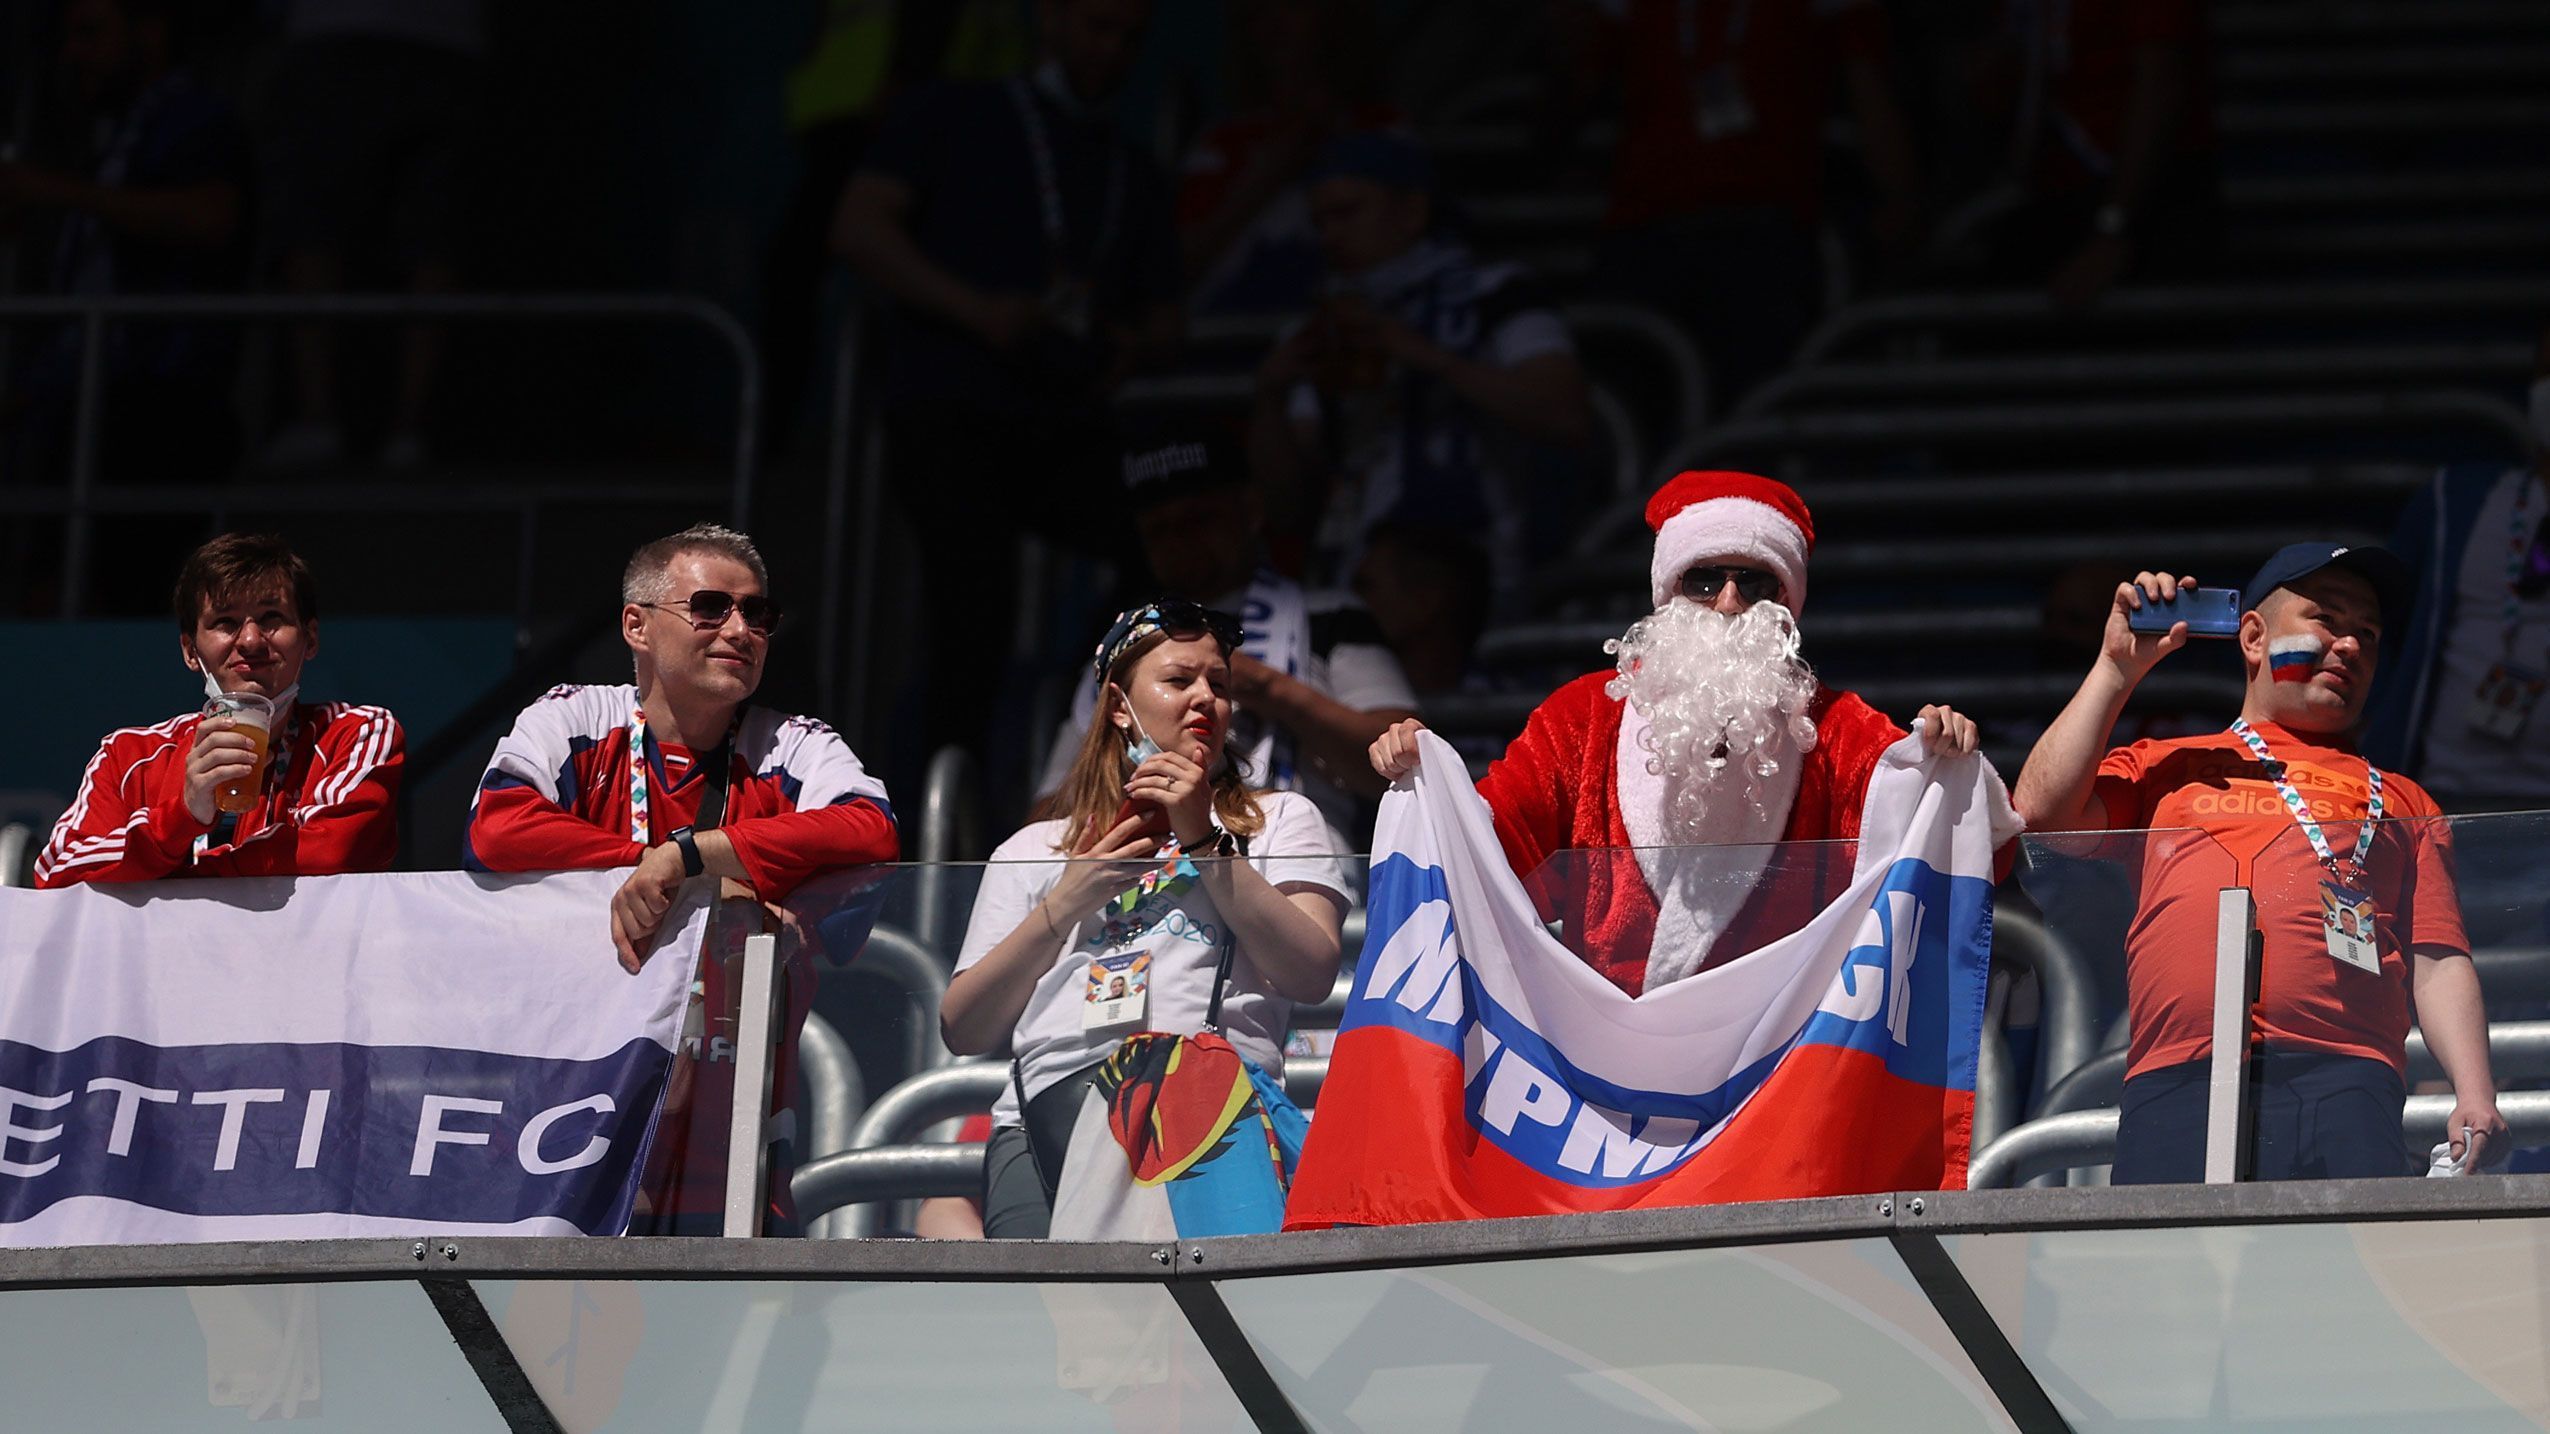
x: 1183, y: 934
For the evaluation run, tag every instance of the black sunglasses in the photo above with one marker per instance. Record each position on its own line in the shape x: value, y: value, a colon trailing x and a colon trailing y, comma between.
x: 1751, y: 584
x: 709, y: 608
x: 1178, y: 615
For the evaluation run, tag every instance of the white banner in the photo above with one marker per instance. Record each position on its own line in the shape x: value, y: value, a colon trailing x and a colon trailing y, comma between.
x: 303, y: 1058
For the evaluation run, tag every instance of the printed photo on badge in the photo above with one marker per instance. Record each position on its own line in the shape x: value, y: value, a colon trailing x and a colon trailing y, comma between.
x: 2347, y: 921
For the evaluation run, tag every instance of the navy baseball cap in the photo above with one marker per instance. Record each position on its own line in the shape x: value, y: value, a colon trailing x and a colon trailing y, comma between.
x: 1163, y: 471
x: 2392, y: 585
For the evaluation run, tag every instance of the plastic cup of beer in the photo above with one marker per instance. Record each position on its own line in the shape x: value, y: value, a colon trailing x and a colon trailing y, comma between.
x: 253, y: 717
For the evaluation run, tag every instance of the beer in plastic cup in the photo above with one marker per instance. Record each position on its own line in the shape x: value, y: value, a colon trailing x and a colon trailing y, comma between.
x: 252, y: 716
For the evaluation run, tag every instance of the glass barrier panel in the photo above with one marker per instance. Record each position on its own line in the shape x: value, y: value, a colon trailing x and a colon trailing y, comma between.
x: 746, y: 1356
x: 358, y: 1357
x: 2408, y: 1325
x: 2367, y: 1008
x: 1800, y: 1338
x: 2111, y: 938
x: 885, y: 945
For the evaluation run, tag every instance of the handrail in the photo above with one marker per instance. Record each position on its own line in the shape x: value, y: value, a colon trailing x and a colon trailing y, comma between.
x: 835, y: 1094
x: 943, y: 799
x: 94, y: 312
x: 17, y: 840
x: 1690, y: 370
x: 2067, y: 1023
x: 885, y: 1162
x: 915, y: 969
x: 2054, y: 1144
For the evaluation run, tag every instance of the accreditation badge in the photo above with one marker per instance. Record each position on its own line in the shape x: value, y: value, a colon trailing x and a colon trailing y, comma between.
x: 2346, y: 921
x: 2503, y: 703
x: 1118, y: 996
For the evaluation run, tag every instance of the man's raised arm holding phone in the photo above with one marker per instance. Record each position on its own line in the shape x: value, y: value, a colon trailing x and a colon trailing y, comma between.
x: 2056, y: 790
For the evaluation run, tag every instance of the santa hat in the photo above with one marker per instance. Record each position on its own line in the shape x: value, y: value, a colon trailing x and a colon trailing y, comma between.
x: 1729, y: 515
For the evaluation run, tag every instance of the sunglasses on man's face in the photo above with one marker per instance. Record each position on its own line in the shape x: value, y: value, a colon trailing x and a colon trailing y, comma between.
x: 708, y: 610
x: 1751, y: 584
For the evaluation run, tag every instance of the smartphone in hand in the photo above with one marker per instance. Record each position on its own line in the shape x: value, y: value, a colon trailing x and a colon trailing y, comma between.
x: 2208, y: 612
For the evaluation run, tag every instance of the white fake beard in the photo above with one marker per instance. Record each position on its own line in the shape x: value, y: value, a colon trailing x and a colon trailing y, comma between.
x: 1725, y: 700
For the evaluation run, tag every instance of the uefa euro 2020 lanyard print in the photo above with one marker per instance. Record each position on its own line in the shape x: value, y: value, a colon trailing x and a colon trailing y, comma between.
x: 2346, y: 907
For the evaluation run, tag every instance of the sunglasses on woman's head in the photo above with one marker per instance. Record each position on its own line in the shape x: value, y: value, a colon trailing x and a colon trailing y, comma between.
x: 1751, y: 584
x: 1178, y: 617
x: 1174, y: 616
x: 709, y: 608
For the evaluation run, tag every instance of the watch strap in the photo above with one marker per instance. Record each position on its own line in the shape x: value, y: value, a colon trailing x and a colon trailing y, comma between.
x: 692, y: 863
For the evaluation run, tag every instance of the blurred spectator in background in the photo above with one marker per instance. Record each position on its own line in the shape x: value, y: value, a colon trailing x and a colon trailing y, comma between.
x: 860, y: 55
x: 1033, y: 262
x: 147, y: 195
x: 1312, y: 683
x: 373, y: 106
x: 1308, y: 71
x: 2462, y: 711
x: 2113, y: 146
x: 1417, y: 386
x: 1718, y: 192
x: 1421, y: 585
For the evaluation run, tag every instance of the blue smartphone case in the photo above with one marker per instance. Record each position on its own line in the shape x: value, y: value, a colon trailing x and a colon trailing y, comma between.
x: 2208, y: 612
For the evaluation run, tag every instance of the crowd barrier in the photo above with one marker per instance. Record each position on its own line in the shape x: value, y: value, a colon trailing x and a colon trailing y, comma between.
x: 2045, y: 1083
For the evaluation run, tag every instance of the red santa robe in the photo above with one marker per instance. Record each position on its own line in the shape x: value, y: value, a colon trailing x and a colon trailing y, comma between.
x: 1558, y: 789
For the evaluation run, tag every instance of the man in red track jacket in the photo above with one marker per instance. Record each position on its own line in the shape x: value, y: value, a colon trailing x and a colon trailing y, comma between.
x: 678, y: 776
x: 326, y: 795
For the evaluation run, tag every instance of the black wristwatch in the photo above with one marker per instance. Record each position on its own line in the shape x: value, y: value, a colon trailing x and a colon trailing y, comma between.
x: 692, y: 865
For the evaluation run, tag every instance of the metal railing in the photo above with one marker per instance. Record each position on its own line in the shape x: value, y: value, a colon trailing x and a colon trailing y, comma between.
x: 82, y: 501
x: 2052, y: 1145
x: 884, y: 1164
x: 17, y: 854
x: 2067, y: 1025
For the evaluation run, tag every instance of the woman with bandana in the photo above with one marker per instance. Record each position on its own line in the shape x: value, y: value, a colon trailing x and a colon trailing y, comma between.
x: 1155, y: 861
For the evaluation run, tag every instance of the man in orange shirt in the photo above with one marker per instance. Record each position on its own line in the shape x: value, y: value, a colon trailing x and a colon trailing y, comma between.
x: 2288, y: 809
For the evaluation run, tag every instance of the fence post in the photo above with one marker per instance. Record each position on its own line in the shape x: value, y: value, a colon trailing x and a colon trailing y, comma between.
x: 2235, y: 980
x: 91, y: 397
x: 756, y: 1050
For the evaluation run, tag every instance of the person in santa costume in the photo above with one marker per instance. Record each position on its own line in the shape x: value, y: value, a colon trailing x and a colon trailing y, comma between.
x: 1710, y: 732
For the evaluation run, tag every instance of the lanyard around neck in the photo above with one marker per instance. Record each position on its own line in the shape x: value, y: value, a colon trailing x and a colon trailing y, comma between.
x: 2362, y: 857
x: 712, y: 809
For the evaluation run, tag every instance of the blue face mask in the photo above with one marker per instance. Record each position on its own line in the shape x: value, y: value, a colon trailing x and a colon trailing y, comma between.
x: 1144, y: 750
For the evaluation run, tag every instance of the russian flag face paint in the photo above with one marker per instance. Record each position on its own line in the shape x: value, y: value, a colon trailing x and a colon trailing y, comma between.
x: 2294, y: 659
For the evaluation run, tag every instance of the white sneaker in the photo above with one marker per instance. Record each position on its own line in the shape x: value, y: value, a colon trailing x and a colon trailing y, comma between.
x: 305, y: 444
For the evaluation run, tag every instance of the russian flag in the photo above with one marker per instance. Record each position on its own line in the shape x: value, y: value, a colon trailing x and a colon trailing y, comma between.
x: 1483, y: 1070
x: 2294, y: 659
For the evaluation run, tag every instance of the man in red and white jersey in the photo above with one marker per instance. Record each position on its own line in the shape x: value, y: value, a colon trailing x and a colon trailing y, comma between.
x: 678, y: 776
x: 322, y: 799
